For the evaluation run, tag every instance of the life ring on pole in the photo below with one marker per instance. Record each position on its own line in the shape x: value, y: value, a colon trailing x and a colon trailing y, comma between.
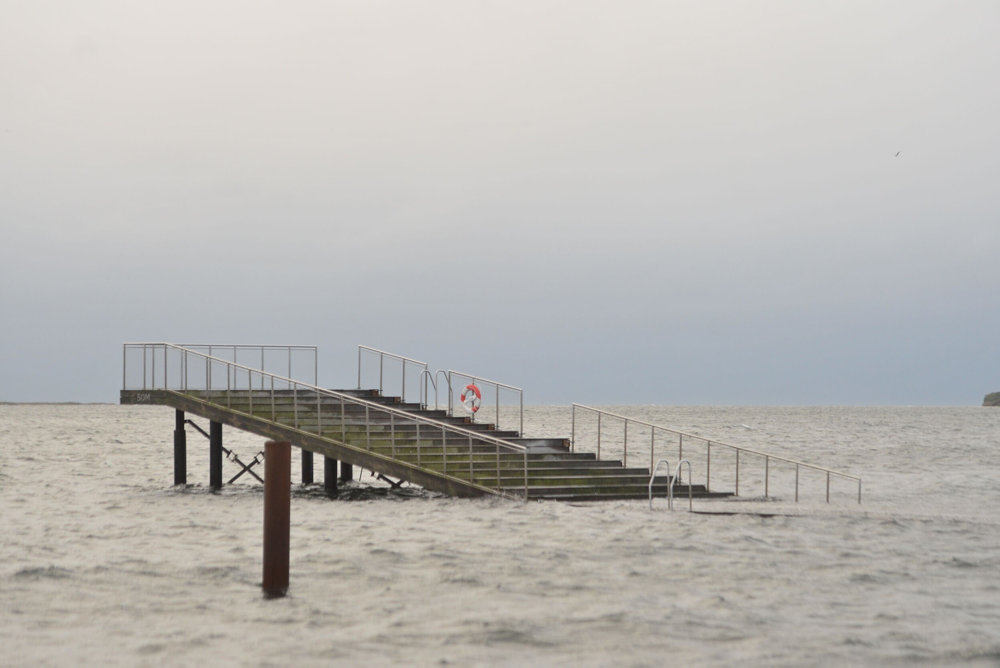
x: 471, y: 398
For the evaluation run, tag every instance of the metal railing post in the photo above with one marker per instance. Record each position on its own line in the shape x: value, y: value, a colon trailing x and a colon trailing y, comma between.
x: 708, y: 466
x: 444, y: 450
x: 368, y: 430
x: 572, y: 432
x: 652, y: 447
x: 598, y: 435
x: 625, y: 447
x: 521, y: 430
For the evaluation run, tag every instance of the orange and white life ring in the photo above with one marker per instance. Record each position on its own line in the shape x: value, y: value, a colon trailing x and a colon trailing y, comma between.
x: 471, y: 398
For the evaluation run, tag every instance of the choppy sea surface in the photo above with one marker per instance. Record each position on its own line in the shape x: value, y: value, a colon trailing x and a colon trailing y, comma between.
x: 103, y: 561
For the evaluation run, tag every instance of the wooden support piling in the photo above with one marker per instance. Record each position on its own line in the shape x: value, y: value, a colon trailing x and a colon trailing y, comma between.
x: 215, y: 455
x: 277, y: 516
x: 307, y: 467
x: 180, y: 449
x: 346, y: 471
x: 330, y: 476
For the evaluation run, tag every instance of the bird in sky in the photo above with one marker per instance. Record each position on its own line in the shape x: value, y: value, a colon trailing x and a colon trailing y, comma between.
x: 897, y: 154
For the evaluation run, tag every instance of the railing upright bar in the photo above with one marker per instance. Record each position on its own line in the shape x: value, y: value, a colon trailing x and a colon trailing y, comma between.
x: 572, y: 432
x: 470, y: 460
x: 521, y: 429
x: 598, y: 435
x: 625, y: 447
x: 708, y: 466
x: 444, y: 450
x: 392, y: 434
x: 419, y: 444
x: 295, y: 405
x: 525, y: 459
x: 652, y: 447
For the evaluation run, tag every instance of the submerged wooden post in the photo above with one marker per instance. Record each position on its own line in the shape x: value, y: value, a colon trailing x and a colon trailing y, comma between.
x: 180, y: 449
x: 330, y: 476
x: 215, y: 455
x: 307, y: 467
x: 346, y: 471
x: 277, y: 516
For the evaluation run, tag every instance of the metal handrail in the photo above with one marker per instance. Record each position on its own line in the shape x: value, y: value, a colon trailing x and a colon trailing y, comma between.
x: 496, y: 384
x: 234, y: 371
x: 382, y: 354
x: 221, y: 347
x: 681, y: 436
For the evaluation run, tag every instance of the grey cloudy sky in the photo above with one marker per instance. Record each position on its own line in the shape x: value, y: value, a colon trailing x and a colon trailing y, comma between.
x: 608, y: 202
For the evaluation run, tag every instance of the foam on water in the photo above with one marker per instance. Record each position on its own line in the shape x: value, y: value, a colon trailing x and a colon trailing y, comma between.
x: 102, y: 561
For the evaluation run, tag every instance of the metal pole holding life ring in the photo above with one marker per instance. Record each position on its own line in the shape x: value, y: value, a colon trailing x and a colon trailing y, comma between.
x: 471, y: 398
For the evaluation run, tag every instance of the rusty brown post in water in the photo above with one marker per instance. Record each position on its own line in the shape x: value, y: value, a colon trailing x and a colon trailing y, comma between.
x: 277, y: 516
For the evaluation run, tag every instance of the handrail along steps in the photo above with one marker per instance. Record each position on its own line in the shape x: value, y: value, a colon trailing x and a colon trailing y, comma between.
x: 708, y: 443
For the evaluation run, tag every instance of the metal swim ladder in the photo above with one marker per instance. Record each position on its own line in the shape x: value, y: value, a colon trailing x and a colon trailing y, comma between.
x: 673, y: 481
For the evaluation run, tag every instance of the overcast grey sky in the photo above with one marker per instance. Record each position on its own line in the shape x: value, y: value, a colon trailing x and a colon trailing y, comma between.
x: 607, y: 202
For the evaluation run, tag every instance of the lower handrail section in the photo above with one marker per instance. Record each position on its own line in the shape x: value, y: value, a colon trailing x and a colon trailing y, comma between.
x: 631, y: 437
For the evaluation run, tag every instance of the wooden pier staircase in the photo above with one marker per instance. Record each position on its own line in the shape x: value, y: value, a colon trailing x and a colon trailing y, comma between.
x: 384, y: 434
x: 449, y: 454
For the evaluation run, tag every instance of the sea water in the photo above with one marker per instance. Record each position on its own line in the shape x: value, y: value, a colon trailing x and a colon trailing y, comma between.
x: 103, y: 561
